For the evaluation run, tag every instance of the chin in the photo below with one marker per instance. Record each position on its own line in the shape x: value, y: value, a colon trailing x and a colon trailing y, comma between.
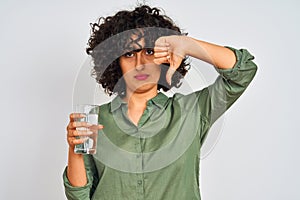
x: 145, y: 88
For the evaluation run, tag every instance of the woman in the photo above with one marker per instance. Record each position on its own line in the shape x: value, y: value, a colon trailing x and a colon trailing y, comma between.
x: 158, y: 138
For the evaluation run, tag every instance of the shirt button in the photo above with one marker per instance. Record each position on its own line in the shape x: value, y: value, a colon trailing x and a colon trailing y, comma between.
x: 138, y: 155
x: 140, y: 182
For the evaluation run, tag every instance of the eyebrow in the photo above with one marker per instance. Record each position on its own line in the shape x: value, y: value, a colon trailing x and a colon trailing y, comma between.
x: 137, y: 50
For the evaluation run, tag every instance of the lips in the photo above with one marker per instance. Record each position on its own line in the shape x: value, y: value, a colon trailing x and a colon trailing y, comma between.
x: 141, y: 77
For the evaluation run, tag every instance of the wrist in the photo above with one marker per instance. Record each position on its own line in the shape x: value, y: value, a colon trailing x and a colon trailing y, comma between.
x: 188, y: 45
x: 181, y: 47
x: 73, y: 154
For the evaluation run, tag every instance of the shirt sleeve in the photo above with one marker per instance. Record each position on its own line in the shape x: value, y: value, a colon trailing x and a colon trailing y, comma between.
x: 228, y: 87
x: 85, y: 192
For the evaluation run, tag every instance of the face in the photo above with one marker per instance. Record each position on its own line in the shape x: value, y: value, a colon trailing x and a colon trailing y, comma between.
x: 140, y: 73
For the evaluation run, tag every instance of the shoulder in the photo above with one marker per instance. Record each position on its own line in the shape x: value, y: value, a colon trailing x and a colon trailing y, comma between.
x: 190, y: 96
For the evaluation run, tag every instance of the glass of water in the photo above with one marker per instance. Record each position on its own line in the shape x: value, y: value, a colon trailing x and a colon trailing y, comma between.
x: 91, y: 112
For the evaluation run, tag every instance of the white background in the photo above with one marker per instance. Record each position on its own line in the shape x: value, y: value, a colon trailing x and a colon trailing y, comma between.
x: 43, y: 46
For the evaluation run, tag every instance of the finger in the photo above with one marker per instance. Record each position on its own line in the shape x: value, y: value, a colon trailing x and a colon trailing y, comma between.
x: 96, y: 127
x: 161, y: 60
x: 162, y: 48
x: 74, y: 116
x: 161, y: 54
x: 75, y: 124
x: 74, y: 133
x: 74, y: 141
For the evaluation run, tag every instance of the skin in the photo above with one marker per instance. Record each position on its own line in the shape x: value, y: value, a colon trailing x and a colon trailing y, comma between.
x: 141, y: 73
x: 141, y: 76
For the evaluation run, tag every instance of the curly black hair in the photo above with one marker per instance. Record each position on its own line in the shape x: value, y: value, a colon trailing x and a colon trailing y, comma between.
x: 110, y: 39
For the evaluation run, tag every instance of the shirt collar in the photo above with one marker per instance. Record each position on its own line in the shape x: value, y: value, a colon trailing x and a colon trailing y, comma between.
x: 159, y: 100
x: 116, y: 103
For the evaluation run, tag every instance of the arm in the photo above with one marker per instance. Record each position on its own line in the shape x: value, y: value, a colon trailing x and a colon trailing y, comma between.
x: 173, y: 49
x: 219, y: 56
x: 235, y: 67
x: 76, y: 170
x: 81, y: 173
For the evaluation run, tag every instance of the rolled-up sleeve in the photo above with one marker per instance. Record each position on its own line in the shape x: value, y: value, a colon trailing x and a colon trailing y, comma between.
x: 243, y: 71
x: 85, y: 192
x: 228, y: 87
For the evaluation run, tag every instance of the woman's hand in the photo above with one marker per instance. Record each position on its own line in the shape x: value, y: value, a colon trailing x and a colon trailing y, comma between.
x: 77, y: 128
x: 170, y: 49
x: 76, y: 172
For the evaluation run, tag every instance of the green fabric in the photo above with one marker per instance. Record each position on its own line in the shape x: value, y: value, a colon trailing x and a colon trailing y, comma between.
x: 159, y: 158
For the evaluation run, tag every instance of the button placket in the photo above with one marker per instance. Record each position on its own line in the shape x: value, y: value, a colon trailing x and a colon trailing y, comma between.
x: 139, y: 165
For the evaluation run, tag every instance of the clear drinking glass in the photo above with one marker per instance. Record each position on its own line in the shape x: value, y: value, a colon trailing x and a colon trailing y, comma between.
x: 91, y: 116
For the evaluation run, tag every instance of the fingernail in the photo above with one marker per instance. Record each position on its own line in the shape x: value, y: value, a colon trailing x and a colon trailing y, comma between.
x: 168, y: 79
x: 100, y: 126
x: 82, y: 115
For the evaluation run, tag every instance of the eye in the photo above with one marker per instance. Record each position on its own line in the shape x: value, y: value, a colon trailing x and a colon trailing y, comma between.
x: 129, y: 54
x: 149, y: 51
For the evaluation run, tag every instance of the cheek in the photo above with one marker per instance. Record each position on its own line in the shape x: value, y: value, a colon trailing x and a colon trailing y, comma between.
x: 157, y: 70
x: 155, y: 74
x: 125, y: 66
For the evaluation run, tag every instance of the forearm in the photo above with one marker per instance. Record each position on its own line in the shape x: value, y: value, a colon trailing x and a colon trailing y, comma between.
x: 219, y: 56
x: 229, y: 85
x: 76, y: 172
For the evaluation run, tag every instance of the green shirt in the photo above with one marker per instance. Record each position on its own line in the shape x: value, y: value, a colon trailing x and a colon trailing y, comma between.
x: 159, y: 158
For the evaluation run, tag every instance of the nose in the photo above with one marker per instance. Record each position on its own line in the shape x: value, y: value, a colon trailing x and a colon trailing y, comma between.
x: 140, y: 62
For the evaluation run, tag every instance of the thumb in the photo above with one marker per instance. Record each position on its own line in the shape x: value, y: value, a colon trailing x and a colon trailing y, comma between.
x: 169, y: 75
x: 170, y: 72
x: 175, y: 62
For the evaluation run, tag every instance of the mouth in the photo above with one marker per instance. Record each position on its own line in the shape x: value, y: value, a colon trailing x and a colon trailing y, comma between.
x: 141, y: 77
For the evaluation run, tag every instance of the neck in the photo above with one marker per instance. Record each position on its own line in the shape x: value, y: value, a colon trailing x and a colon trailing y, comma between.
x: 139, y: 99
x: 137, y: 103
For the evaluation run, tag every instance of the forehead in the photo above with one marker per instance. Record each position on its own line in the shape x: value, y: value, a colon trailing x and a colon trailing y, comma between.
x: 136, y: 42
x: 140, y: 38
